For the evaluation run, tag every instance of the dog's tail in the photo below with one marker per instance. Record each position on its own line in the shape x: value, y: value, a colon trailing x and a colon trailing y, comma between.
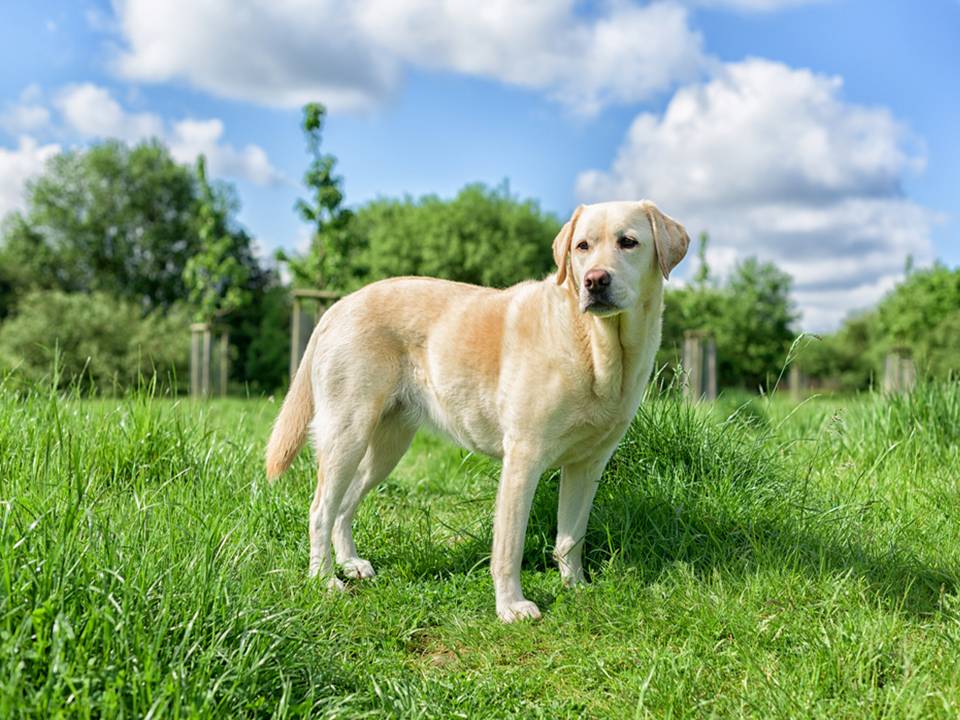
x: 290, y: 429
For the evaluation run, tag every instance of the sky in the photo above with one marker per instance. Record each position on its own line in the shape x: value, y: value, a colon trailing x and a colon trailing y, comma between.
x: 817, y: 134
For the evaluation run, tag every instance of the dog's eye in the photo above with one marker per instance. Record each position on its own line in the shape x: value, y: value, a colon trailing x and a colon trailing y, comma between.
x: 583, y: 245
x: 627, y: 243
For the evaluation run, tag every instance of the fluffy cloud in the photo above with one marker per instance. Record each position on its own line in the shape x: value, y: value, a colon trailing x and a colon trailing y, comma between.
x: 773, y: 162
x: 625, y: 55
x: 752, y: 5
x: 24, y: 118
x: 19, y: 165
x: 352, y: 55
x: 276, y: 53
x: 26, y: 115
x: 91, y: 111
x: 191, y: 138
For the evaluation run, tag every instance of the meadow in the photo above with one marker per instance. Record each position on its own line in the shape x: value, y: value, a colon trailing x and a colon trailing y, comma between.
x: 748, y: 558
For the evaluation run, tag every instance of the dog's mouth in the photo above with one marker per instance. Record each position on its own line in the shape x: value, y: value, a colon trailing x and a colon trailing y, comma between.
x: 600, y: 306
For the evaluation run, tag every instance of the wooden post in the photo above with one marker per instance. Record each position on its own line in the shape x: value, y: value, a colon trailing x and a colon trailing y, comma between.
x: 700, y: 366
x: 711, y: 370
x: 692, y: 365
x: 224, y: 362
x: 796, y: 382
x: 205, y: 365
x: 908, y: 373
x: 899, y: 371
x: 194, y: 361
x: 200, y: 360
x: 302, y: 323
x: 296, y: 349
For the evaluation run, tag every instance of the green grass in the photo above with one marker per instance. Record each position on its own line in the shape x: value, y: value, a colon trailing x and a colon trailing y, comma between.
x: 748, y: 559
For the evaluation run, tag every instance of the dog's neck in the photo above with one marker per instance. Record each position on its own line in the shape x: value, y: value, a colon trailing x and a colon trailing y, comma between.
x: 622, y: 346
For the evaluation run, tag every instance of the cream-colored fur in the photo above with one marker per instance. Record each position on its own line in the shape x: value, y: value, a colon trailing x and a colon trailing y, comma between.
x: 540, y: 375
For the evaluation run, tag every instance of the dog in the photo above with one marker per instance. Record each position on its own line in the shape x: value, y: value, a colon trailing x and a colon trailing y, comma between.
x: 543, y: 374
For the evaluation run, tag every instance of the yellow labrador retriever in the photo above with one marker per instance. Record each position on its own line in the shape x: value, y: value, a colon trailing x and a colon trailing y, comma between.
x: 540, y: 375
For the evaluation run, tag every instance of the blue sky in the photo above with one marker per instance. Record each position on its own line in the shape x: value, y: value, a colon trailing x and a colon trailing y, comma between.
x: 818, y: 134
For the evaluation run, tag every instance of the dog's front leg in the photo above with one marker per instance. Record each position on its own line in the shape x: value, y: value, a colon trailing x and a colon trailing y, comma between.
x: 522, y: 466
x: 578, y: 484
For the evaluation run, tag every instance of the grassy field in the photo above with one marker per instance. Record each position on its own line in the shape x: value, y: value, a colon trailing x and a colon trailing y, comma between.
x: 748, y: 559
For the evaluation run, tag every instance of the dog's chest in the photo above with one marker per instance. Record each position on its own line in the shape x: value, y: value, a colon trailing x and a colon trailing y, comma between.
x: 597, y: 431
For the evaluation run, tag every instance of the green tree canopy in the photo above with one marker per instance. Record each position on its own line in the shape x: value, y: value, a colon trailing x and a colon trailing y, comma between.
x: 132, y: 225
x: 750, y: 316
x: 111, y: 219
x: 923, y: 314
x: 217, y: 274
x: 756, y: 327
x: 848, y: 359
x: 95, y: 338
x: 483, y: 235
x: 326, y: 264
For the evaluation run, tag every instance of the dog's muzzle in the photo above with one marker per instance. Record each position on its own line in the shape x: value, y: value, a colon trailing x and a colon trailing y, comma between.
x: 596, y: 297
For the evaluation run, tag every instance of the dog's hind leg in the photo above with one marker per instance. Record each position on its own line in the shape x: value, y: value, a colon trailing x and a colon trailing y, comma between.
x: 341, y: 438
x: 388, y: 443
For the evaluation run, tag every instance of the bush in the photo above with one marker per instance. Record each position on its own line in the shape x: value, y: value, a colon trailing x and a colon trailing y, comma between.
x: 923, y: 314
x: 484, y: 236
x: 750, y: 316
x: 94, y: 340
x: 261, y: 336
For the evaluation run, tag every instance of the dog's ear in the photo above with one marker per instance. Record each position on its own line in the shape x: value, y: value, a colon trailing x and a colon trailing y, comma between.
x: 562, y: 242
x: 670, y: 238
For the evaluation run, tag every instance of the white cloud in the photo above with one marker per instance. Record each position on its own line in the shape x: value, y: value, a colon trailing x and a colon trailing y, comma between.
x: 275, y: 53
x: 17, y: 166
x: 774, y: 163
x: 352, y: 55
x: 627, y: 54
x: 26, y: 115
x: 19, y: 119
x: 92, y: 112
x: 753, y: 5
x: 191, y: 138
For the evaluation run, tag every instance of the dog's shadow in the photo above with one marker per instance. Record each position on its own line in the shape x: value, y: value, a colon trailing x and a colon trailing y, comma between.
x: 652, y: 533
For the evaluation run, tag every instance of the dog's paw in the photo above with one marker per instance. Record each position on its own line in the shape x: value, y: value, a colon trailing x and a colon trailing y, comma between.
x: 357, y: 568
x: 519, y: 610
x: 335, y: 585
x: 573, y: 579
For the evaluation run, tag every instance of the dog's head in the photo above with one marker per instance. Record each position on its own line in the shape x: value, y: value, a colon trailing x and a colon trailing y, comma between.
x: 609, y: 253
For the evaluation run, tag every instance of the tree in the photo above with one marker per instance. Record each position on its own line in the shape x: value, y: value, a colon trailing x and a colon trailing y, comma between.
x: 692, y: 307
x: 923, y: 314
x: 755, y: 328
x: 217, y: 274
x: 133, y: 225
x: 109, y: 218
x: 750, y: 317
x: 261, y: 333
x: 848, y: 359
x: 702, y: 277
x: 327, y: 262
x: 483, y: 236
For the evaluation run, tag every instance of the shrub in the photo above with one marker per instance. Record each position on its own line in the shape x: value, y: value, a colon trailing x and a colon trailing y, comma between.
x: 94, y: 340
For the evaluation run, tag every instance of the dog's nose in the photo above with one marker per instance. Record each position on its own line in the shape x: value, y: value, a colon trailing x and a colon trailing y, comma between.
x: 596, y: 280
